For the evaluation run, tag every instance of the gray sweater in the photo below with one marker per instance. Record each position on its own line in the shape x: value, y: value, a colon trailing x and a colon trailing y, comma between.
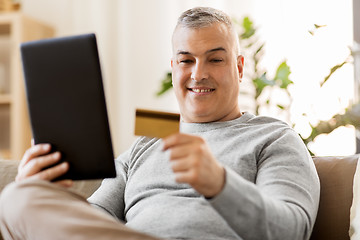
x: 271, y: 189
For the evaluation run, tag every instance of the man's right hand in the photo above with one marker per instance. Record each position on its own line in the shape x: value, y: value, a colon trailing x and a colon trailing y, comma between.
x: 36, y: 158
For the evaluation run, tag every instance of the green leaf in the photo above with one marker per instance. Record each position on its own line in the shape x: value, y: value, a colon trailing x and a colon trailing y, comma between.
x: 259, y: 49
x: 248, y: 27
x: 332, y: 70
x: 282, y: 75
x: 280, y: 106
x: 166, y: 84
x: 250, y: 44
x: 261, y: 82
x: 247, y: 24
x: 319, y: 26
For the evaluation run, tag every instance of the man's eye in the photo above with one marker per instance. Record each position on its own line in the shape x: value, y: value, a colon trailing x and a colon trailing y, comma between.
x: 216, y: 60
x: 186, y: 61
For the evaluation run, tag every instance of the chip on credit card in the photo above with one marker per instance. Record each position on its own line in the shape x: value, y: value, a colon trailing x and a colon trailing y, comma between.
x: 155, y: 123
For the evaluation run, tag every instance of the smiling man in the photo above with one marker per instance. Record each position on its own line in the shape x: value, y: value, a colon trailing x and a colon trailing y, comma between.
x: 207, y: 71
x: 226, y: 175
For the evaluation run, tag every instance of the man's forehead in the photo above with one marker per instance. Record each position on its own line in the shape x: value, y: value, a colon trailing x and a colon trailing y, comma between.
x: 213, y: 38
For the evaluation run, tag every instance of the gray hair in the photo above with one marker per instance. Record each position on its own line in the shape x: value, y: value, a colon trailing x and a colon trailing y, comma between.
x: 201, y: 17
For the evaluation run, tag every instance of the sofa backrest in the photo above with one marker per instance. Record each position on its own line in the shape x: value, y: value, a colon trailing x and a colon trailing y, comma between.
x: 336, y: 194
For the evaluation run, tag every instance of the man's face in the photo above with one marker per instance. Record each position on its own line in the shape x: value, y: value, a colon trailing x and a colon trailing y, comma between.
x: 206, y: 73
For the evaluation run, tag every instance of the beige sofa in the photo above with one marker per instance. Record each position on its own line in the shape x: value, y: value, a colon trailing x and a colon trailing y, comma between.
x: 336, y: 197
x: 336, y: 179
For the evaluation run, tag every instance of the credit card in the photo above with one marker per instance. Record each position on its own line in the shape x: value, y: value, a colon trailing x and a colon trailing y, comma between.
x: 155, y: 123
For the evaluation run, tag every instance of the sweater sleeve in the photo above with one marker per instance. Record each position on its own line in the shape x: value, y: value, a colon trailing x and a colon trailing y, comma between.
x: 110, y: 195
x: 283, y: 201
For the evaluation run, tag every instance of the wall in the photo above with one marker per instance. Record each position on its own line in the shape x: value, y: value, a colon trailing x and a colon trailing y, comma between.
x: 135, y: 50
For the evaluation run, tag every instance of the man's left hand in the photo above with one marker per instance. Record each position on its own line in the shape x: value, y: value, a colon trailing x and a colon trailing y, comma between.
x: 193, y: 163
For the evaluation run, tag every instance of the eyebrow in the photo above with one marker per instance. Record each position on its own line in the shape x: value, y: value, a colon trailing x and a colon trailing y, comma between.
x: 216, y: 49
x: 180, y: 52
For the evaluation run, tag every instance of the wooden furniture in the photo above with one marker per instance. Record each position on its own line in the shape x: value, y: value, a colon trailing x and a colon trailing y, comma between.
x: 9, y: 5
x: 15, y: 133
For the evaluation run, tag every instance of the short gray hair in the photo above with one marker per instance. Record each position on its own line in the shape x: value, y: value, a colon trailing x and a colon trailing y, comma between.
x: 201, y: 17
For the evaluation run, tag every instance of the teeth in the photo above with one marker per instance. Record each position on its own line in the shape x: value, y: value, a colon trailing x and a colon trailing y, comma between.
x: 201, y: 90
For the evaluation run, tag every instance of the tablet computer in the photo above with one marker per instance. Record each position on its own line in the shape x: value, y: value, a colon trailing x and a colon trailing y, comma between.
x: 66, y: 103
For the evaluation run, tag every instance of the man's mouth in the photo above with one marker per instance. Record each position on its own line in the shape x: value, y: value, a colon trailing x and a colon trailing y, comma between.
x: 201, y: 90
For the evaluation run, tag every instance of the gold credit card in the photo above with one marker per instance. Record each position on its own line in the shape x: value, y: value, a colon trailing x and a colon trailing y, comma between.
x: 156, y: 124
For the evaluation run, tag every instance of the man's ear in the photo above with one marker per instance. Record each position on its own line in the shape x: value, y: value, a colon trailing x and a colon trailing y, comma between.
x: 172, y: 63
x: 240, y: 66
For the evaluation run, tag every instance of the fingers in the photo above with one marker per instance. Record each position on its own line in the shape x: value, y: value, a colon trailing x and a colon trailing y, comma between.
x: 53, y: 172
x: 193, y: 163
x: 38, y: 158
x: 180, y: 151
x: 186, y: 171
x: 37, y: 164
x: 190, y: 177
x: 181, y: 164
x: 185, y: 147
x: 33, y: 152
x: 180, y: 139
x: 176, y: 140
x: 185, y: 150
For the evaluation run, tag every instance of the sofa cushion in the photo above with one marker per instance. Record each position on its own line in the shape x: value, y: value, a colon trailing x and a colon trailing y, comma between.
x: 336, y: 179
x: 8, y: 171
x: 355, y: 208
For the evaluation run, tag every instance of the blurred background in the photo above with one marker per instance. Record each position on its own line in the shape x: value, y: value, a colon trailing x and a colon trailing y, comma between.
x: 134, y: 41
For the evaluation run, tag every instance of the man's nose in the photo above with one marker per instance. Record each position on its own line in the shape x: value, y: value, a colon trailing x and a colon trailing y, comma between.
x: 199, y: 72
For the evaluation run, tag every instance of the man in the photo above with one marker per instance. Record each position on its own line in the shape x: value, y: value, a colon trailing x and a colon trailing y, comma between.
x: 227, y: 175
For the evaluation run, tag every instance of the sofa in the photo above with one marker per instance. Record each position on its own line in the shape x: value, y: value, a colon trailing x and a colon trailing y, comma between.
x: 336, y: 197
x: 8, y: 171
x: 336, y: 176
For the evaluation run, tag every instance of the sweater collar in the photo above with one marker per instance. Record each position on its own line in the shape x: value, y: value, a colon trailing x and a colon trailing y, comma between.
x: 203, y: 127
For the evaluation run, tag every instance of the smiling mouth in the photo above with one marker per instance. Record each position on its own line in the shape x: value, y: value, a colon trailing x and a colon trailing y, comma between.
x: 199, y: 90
